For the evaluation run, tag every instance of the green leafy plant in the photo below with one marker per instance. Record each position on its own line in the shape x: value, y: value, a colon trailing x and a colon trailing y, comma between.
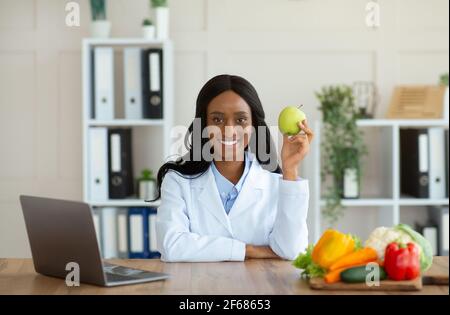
x: 158, y: 3
x: 443, y: 80
x: 98, y: 9
x: 147, y: 22
x: 310, y: 269
x: 147, y: 175
x: 342, y: 146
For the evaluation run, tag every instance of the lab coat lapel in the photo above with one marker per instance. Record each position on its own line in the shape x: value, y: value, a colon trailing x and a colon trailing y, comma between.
x: 209, y: 199
x: 251, y: 191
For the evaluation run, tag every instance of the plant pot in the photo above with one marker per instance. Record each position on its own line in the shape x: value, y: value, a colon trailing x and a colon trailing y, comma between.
x: 350, y: 185
x: 100, y: 29
x: 147, y: 189
x: 148, y: 31
x: 162, y: 22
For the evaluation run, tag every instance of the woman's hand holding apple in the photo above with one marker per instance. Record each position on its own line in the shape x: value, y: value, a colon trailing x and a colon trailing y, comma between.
x: 295, y: 147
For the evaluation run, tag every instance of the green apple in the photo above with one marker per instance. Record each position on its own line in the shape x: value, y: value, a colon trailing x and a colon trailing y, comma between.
x: 288, y: 120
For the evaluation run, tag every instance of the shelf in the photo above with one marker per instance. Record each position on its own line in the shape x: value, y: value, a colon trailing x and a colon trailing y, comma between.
x: 124, y: 41
x: 124, y: 203
x: 125, y: 122
x: 375, y: 202
x: 402, y: 122
x: 422, y: 202
x: 390, y: 202
x: 367, y: 202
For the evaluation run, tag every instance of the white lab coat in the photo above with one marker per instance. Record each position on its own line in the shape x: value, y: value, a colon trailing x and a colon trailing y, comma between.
x: 193, y: 226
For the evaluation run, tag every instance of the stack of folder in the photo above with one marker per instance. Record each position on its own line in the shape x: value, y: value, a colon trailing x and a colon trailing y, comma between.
x: 424, y: 168
x: 110, y: 164
x: 436, y: 230
x: 126, y: 232
x: 424, y: 162
x: 143, y: 83
x: 122, y: 232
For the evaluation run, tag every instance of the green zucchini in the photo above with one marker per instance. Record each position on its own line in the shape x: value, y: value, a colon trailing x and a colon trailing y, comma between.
x: 359, y: 274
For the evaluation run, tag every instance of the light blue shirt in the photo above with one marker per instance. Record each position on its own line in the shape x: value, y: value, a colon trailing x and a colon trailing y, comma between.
x: 227, y: 190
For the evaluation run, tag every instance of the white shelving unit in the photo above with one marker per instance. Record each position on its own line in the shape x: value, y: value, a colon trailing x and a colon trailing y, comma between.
x: 389, y: 206
x: 125, y: 123
x: 158, y: 149
x: 131, y: 202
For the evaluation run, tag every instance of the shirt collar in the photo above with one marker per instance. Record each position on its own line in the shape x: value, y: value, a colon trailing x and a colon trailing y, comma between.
x: 224, y: 185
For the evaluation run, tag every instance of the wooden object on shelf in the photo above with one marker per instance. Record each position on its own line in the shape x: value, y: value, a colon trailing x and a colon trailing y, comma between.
x: 417, y: 102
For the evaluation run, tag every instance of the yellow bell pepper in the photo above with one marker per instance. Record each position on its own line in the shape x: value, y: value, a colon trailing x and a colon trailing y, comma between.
x: 331, y: 246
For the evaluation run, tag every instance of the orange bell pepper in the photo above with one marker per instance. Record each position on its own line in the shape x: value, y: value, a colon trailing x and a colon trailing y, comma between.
x: 331, y: 246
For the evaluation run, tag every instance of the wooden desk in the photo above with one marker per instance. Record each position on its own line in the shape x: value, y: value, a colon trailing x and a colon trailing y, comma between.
x: 17, y: 276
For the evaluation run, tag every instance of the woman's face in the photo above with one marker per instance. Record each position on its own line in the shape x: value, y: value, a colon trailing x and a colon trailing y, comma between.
x: 229, y: 124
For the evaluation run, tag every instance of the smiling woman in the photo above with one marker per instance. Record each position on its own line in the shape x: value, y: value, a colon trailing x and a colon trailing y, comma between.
x: 233, y: 201
x: 229, y: 122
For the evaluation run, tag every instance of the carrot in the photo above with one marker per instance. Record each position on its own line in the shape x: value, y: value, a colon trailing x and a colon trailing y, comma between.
x: 334, y: 276
x: 362, y: 256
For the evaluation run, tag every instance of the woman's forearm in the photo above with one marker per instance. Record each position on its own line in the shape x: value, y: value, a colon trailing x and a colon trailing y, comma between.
x: 259, y: 252
x: 291, y: 175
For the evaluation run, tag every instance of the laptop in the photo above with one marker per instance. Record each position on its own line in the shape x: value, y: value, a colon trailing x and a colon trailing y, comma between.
x: 62, y: 232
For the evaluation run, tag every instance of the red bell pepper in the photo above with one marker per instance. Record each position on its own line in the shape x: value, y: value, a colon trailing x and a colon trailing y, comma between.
x: 401, y: 261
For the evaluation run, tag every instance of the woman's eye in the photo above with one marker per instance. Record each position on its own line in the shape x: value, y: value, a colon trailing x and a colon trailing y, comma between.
x: 217, y: 120
x: 242, y: 120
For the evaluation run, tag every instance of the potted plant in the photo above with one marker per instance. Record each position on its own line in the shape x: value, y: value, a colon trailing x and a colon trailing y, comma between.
x: 443, y: 80
x: 342, y: 146
x: 161, y: 18
x: 100, y: 26
x: 148, y: 29
x: 147, y: 185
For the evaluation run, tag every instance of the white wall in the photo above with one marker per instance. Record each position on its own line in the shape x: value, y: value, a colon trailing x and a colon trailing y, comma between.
x: 287, y: 48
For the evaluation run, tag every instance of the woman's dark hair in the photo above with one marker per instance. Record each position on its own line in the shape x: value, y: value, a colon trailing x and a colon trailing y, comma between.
x: 188, y: 167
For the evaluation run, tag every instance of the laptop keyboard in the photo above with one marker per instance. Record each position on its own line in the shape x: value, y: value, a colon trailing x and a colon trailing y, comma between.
x: 124, y: 271
x: 116, y: 273
x: 112, y: 277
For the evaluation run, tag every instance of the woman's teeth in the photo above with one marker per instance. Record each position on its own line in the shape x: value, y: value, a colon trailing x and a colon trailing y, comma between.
x: 228, y: 142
